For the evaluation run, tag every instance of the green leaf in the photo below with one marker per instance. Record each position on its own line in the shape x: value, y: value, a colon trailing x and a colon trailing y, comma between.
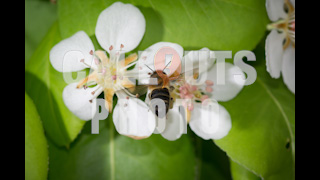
x: 45, y: 85
x: 221, y: 24
x: 39, y: 17
x: 36, y: 148
x: 212, y: 162
x: 262, y: 137
x: 108, y: 155
x: 241, y: 173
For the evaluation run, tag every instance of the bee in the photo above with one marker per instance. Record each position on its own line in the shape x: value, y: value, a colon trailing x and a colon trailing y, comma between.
x: 161, y: 90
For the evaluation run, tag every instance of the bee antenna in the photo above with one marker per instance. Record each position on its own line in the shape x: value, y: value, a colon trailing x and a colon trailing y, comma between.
x: 149, y: 68
x: 166, y: 65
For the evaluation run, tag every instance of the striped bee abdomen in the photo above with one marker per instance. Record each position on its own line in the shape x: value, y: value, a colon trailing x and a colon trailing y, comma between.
x: 164, y: 95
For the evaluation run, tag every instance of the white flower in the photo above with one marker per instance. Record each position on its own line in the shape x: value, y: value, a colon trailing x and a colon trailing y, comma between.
x: 133, y: 117
x: 214, y: 123
x: 119, y: 29
x: 194, y: 96
x: 280, y: 43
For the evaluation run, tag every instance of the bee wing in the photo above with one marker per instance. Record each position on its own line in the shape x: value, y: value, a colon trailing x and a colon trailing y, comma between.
x: 189, y: 73
x: 197, y: 62
x: 138, y: 90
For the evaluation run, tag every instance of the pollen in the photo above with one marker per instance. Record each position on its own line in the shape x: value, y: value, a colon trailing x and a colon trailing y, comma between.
x: 192, y: 93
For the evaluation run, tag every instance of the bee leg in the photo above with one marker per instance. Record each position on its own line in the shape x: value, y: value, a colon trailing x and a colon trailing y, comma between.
x: 171, y: 103
x: 171, y: 88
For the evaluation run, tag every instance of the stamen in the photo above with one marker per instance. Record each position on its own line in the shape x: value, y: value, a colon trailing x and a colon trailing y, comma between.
x: 110, y: 48
x: 129, y: 65
x: 193, y: 88
x: 93, y: 92
x: 209, y: 83
x: 91, y: 52
x: 209, y: 89
x: 82, y: 60
x: 118, y: 87
x: 96, y: 94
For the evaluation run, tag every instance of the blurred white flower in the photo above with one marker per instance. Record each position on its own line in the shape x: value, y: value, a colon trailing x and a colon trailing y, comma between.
x: 280, y: 43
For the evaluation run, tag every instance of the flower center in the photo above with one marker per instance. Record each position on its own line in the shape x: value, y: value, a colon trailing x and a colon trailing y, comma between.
x: 109, y: 71
x: 288, y: 25
x: 192, y: 93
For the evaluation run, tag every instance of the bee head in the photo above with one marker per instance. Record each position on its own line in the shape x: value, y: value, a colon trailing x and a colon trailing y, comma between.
x: 162, y: 77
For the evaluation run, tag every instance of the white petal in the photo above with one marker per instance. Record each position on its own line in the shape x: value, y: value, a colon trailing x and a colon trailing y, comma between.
x: 275, y: 9
x: 132, y: 117
x: 175, y: 125
x: 274, y: 52
x: 200, y: 59
x: 210, y: 124
x: 233, y: 85
x: 66, y: 55
x: 77, y: 101
x: 288, y: 68
x: 120, y: 24
x: 147, y: 59
x: 293, y: 2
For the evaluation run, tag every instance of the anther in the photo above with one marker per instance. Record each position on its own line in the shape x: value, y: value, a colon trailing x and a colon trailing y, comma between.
x: 82, y: 60
x: 209, y: 89
x: 93, y: 92
x: 121, y: 46
x: 91, y: 52
x: 209, y: 83
x: 204, y: 97
x: 111, y: 47
x: 190, y: 107
x: 85, y: 86
x: 90, y: 100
